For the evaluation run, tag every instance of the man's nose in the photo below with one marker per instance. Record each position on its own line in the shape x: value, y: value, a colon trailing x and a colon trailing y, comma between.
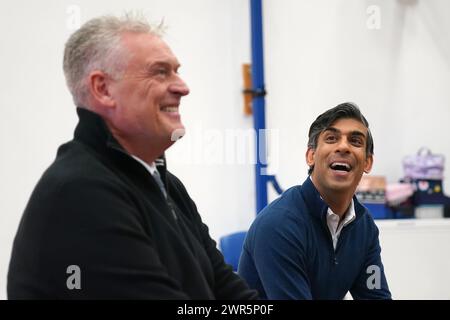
x: 343, y: 145
x: 179, y: 87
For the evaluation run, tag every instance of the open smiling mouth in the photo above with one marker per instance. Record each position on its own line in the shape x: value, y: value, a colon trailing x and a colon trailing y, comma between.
x: 340, y: 167
x: 169, y: 109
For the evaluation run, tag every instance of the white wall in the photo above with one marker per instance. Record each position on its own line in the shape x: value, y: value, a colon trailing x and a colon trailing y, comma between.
x: 318, y: 53
x: 321, y: 53
x: 416, y: 257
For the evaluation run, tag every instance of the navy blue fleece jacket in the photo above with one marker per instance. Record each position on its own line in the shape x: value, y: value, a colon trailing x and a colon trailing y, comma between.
x: 288, y: 252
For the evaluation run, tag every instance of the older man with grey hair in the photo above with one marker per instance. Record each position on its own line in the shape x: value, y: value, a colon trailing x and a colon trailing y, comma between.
x: 106, y: 219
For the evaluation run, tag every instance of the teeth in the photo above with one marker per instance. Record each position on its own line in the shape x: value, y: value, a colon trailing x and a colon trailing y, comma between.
x: 169, y: 109
x: 340, y: 166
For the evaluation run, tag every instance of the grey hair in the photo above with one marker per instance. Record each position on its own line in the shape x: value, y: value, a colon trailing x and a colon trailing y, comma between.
x: 96, y: 46
x: 326, y: 119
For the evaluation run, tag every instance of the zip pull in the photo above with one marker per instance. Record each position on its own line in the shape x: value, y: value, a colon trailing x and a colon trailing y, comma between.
x: 335, y: 261
x: 169, y: 203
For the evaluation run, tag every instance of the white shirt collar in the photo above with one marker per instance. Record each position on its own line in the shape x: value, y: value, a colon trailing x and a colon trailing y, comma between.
x: 349, y: 215
x: 333, y: 222
x: 150, y: 167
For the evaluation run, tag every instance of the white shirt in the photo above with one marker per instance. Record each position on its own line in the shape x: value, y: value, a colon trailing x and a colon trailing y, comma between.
x: 154, y: 172
x: 150, y: 167
x: 333, y: 222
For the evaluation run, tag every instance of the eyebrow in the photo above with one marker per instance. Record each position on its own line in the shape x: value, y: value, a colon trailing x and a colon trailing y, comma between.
x: 162, y: 63
x: 352, y: 133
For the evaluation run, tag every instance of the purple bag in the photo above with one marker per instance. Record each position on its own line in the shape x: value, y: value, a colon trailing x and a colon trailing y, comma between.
x: 424, y: 165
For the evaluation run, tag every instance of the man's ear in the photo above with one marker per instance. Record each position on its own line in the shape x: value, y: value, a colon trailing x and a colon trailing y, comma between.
x: 368, y: 164
x: 98, y: 83
x: 310, y: 156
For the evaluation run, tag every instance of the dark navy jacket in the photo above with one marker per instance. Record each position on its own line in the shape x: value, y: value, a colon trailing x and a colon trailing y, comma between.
x: 288, y: 252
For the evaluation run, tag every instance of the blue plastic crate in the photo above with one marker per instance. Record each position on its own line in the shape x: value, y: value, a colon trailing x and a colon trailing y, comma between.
x: 379, y: 210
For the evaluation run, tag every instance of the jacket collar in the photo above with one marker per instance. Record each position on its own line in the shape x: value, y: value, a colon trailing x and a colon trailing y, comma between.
x: 93, y: 131
x: 318, y: 207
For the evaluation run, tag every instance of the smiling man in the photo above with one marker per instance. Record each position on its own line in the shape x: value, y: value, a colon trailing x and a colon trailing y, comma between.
x: 317, y: 241
x: 107, y: 220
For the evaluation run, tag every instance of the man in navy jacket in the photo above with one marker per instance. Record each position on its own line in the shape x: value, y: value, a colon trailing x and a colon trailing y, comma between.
x: 317, y: 241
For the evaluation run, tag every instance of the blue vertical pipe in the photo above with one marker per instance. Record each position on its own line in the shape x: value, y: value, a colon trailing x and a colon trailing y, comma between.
x: 258, y: 103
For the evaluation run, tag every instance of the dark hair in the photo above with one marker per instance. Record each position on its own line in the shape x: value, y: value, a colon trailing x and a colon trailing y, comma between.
x: 326, y: 119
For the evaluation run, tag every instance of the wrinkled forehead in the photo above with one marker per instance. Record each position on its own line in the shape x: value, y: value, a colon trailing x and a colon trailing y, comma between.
x: 347, y: 126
